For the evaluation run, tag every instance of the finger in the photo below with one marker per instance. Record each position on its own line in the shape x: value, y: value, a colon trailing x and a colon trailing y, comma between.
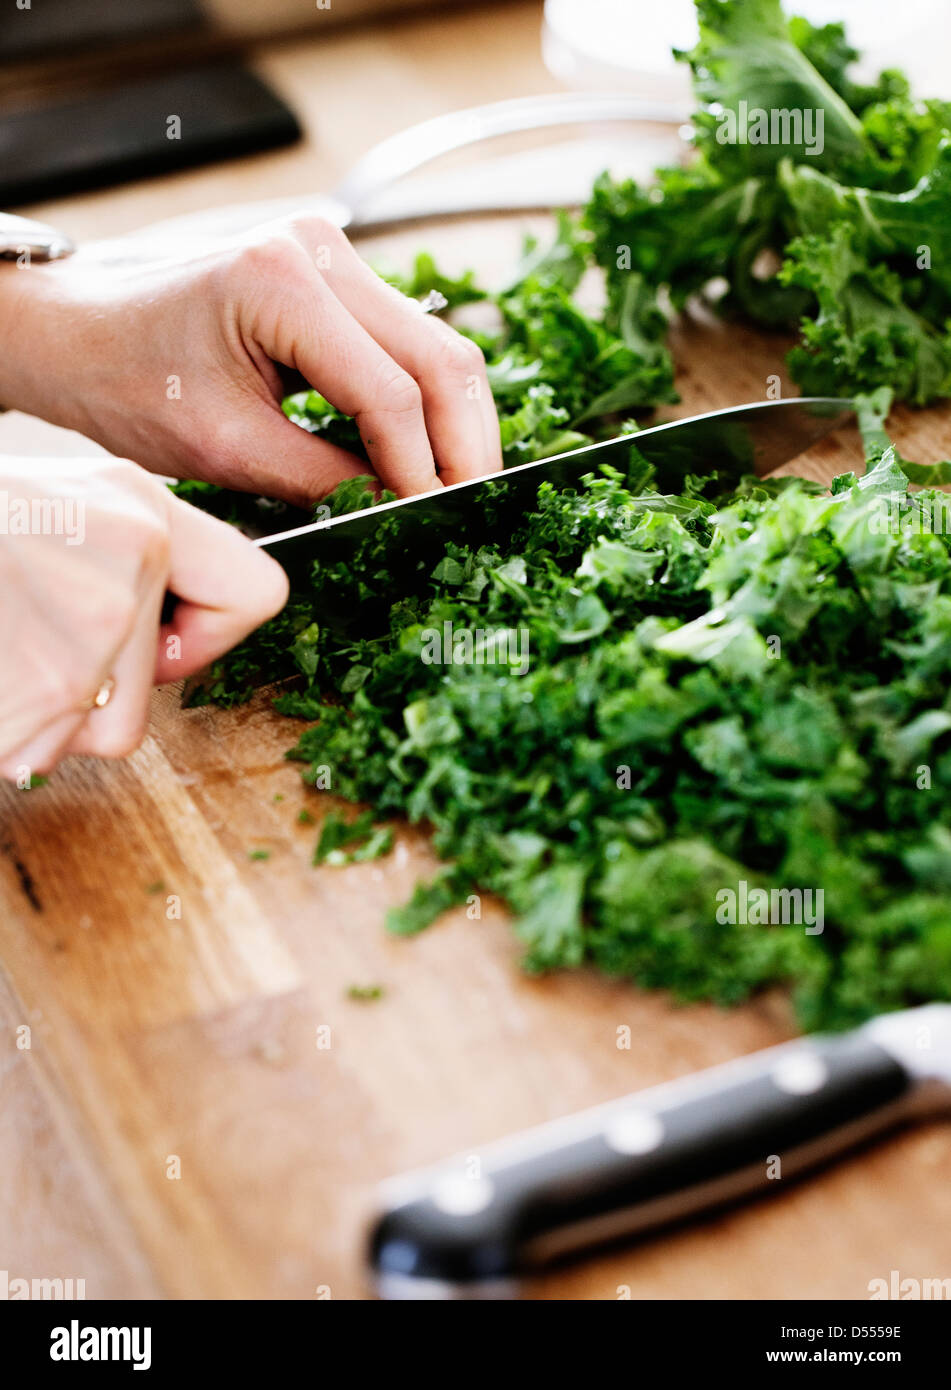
x: 226, y: 585
x: 458, y: 403
x: 119, y: 726
x: 460, y: 414
x: 313, y: 332
x: 41, y: 754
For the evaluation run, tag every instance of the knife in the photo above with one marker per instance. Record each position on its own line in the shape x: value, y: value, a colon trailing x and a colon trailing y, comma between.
x: 472, y: 1227
x: 755, y: 438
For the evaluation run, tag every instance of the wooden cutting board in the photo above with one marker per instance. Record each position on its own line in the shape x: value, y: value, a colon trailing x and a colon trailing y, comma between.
x: 203, y: 1110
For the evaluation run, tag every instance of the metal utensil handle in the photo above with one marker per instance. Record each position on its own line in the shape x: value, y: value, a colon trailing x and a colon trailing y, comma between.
x: 408, y: 150
x: 21, y: 236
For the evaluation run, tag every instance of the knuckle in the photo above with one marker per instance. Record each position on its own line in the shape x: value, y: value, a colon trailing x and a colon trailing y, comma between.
x: 457, y: 356
x: 141, y: 536
x: 116, y: 618
x: 313, y: 227
x: 399, y: 394
x: 272, y: 258
x: 135, y: 483
x: 149, y: 534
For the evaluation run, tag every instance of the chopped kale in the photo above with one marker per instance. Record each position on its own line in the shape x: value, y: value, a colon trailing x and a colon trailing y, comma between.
x: 741, y: 688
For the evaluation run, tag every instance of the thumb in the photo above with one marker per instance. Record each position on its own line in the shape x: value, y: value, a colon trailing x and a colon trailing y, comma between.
x: 273, y: 456
x: 226, y: 586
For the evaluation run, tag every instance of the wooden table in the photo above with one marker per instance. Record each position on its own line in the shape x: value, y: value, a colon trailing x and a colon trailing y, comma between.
x: 176, y: 1126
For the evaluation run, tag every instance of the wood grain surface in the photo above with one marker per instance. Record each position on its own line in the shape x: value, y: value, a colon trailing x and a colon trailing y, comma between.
x: 179, y: 1125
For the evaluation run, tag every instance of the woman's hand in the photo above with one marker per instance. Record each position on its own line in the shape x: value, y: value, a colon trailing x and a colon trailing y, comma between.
x: 174, y: 364
x: 87, y: 551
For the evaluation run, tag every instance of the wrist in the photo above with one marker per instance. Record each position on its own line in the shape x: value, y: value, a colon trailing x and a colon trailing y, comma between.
x: 25, y: 381
x: 23, y: 244
x: 14, y: 337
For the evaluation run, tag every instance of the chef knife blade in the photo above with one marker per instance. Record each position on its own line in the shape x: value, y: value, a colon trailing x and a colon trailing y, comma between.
x: 470, y: 1228
x: 754, y: 438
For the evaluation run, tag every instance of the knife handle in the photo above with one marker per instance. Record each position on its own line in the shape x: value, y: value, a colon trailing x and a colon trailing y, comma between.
x: 472, y: 1228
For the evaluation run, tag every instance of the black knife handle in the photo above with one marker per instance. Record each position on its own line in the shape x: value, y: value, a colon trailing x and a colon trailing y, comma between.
x: 469, y: 1230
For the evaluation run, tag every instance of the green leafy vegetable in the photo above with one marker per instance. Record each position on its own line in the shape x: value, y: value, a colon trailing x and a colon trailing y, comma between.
x: 850, y: 185
x: 336, y: 832
x: 744, y: 688
x: 662, y: 700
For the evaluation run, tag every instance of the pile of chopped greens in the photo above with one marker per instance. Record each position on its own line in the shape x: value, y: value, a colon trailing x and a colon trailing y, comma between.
x: 747, y: 681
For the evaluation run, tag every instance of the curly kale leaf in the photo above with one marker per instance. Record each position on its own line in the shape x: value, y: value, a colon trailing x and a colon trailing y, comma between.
x: 746, y: 60
x: 864, y: 335
x: 752, y: 197
x: 912, y: 229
